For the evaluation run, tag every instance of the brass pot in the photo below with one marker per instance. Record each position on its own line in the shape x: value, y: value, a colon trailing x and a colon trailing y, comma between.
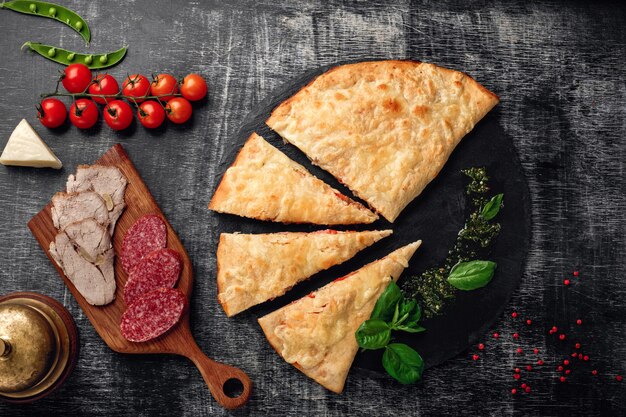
x: 38, y: 346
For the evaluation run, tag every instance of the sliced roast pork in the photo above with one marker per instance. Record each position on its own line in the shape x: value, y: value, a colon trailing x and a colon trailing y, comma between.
x: 72, y: 207
x: 107, y: 181
x: 83, y: 250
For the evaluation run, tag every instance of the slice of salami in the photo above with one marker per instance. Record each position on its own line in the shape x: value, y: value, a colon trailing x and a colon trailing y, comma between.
x: 146, y: 235
x: 153, y: 314
x: 158, y: 269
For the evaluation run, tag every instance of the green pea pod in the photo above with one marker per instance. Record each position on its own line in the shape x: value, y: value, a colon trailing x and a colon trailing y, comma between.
x: 51, y: 11
x: 64, y: 57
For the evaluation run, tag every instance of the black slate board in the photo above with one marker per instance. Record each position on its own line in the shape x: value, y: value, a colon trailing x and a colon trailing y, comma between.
x: 435, y: 217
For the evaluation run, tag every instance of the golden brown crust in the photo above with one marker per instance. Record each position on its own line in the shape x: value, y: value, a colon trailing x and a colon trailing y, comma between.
x: 254, y: 268
x: 264, y: 184
x: 383, y: 128
x: 316, y: 333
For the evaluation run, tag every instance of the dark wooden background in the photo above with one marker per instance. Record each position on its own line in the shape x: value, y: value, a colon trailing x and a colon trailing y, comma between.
x: 559, y: 70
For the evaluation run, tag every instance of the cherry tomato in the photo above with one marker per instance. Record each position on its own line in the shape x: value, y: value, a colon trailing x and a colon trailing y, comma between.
x: 178, y: 110
x: 118, y: 115
x: 76, y: 78
x: 193, y: 87
x: 83, y: 113
x: 136, y: 86
x: 51, y: 112
x: 104, y: 84
x: 151, y: 114
x: 164, y: 84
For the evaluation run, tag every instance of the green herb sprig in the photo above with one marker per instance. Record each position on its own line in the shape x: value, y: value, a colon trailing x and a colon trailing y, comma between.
x: 393, y: 312
x: 434, y: 287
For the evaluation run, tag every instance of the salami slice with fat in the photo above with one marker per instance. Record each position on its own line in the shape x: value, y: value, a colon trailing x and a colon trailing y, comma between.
x: 146, y: 235
x: 153, y: 314
x: 158, y: 269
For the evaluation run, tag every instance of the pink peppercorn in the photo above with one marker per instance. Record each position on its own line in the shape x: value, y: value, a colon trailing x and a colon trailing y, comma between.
x: 496, y: 335
x: 514, y: 314
x: 539, y: 362
x: 566, y: 282
x: 481, y: 346
x: 577, y: 345
x: 562, y: 336
x: 594, y: 372
x: 579, y: 322
x: 535, y: 351
x: 475, y: 357
x: 575, y: 273
x: 515, y: 336
x: 618, y: 378
x: 519, y: 350
x: 562, y: 379
x: 527, y: 389
x: 516, y: 376
x: 513, y: 391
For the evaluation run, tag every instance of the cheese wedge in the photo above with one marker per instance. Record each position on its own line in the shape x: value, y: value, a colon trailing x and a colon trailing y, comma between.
x: 316, y: 333
x: 252, y: 269
x: 384, y: 129
x: 264, y: 184
x: 25, y: 148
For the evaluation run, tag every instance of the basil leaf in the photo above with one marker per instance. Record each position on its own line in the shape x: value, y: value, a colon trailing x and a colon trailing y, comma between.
x: 412, y: 309
x: 492, y: 207
x: 403, y: 363
x: 396, y: 314
x: 410, y: 329
x: 386, y: 303
x: 373, y: 334
x: 469, y: 276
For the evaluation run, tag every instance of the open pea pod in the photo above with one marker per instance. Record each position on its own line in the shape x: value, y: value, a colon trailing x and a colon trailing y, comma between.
x: 51, y: 11
x: 65, y: 57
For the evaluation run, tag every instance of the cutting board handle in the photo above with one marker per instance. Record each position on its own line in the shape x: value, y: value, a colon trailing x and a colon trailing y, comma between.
x: 216, y: 375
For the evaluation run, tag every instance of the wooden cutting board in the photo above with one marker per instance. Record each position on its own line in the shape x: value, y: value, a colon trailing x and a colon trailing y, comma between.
x: 106, y: 319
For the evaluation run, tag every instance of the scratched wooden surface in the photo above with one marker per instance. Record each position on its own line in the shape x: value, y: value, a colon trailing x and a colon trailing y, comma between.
x: 559, y: 70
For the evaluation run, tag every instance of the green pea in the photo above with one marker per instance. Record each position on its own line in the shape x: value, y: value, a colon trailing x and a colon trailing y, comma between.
x: 50, y: 11
x: 65, y: 57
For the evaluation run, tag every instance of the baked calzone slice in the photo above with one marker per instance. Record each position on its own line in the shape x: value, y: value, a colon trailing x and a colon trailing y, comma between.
x: 384, y: 129
x: 316, y: 333
x: 253, y: 268
x: 264, y: 184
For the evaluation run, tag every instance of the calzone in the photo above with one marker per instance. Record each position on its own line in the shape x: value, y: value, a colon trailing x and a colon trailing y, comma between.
x: 384, y: 129
x: 264, y: 184
x: 253, y: 268
x: 316, y: 333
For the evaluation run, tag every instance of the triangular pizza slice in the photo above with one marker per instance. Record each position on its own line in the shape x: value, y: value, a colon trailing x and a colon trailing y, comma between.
x: 316, y: 333
x: 253, y: 268
x: 384, y: 129
x: 264, y: 184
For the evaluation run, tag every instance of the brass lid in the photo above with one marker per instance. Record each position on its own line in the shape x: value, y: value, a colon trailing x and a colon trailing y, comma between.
x: 28, y: 347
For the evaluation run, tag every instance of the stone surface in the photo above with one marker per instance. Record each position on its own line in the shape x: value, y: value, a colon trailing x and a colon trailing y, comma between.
x: 559, y: 70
